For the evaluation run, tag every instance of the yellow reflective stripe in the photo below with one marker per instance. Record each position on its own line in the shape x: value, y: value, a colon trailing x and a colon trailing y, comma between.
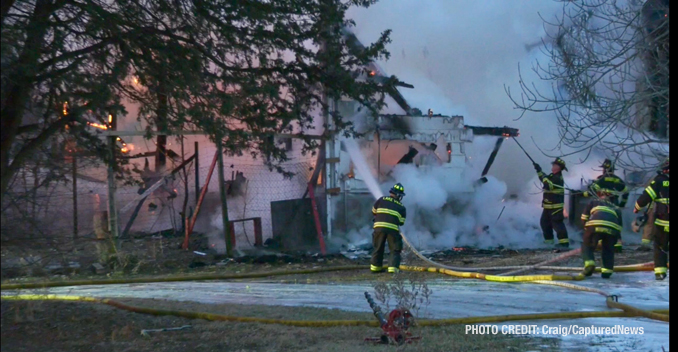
x: 662, y: 200
x: 584, y: 217
x: 375, y: 268
x: 606, y: 270
x: 564, y: 240
x: 548, y: 182
x: 387, y: 225
x: 605, y: 209
x: 618, y: 244
x: 392, y: 269
x: 650, y: 192
x: 391, y: 212
x: 589, y: 263
x: 660, y: 270
x: 637, y: 206
x: 548, y: 241
x: 603, y: 223
x: 661, y: 222
x: 553, y: 206
x: 603, y: 230
x: 645, y: 241
x: 374, y: 211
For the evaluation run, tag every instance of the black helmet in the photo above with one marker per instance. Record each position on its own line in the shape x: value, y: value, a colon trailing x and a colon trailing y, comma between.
x: 608, y: 165
x: 604, y: 193
x: 398, y: 190
x: 560, y: 162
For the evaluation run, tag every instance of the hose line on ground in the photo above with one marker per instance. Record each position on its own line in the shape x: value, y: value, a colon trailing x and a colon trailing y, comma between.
x: 333, y: 323
x: 210, y: 277
x: 635, y: 311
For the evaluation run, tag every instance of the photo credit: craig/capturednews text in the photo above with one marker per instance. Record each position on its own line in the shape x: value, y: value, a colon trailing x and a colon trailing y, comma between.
x: 561, y: 330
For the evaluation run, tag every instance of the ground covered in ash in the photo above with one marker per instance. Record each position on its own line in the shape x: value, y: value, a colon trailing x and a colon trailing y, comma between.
x: 161, y: 254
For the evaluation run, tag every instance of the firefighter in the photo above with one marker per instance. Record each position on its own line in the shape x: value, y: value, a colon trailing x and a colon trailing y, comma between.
x: 552, y: 217
x: 389, y: 214
x: 616, y: 187
x: 648, y: 228
x: 658, y: 192
x: 602, y: 220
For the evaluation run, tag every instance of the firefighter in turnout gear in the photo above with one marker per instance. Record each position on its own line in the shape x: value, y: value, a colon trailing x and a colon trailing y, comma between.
x: 552, y: 217
x: 615, y: 187
x: 602, y: 221
x: 648, y: 228
x: 658, y: 192
x: 389, y: 214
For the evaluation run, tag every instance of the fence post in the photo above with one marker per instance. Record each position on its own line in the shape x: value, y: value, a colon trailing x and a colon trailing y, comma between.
x: 224, y: 205
x: 196, y: 160
x: 258, y: 241
x: 75, y: 197
x: 112, y: 209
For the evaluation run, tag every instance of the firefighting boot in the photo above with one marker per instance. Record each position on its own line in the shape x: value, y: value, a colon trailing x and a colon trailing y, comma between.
x: 618, y: 247
x: 605, y: 273
x: 589, y: 268
x: 645, y: 245
x: 660, y: 276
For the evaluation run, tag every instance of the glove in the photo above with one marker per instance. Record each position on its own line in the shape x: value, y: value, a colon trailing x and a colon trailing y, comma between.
x: 537, y: 167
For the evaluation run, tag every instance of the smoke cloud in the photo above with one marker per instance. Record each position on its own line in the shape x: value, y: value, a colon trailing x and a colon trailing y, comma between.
x: 460, y: 56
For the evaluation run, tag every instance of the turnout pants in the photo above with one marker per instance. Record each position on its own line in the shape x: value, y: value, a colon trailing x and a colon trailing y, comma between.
x: 553, y: 219
x: 648, y: 229
x: 608, y: 236
x: 661, y: 248
x: 395, y: 246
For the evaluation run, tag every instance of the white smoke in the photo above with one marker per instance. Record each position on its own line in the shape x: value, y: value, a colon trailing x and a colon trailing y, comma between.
x: 444, y: 213
x: 460, y: 56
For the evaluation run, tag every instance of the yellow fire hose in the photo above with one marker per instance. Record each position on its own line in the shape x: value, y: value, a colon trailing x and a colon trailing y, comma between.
x: 633, y: 310
x: 538, y: 279
x: 495, y: 278
x: 209, y: 277
x: 553, y: 260
x: 332, y: 323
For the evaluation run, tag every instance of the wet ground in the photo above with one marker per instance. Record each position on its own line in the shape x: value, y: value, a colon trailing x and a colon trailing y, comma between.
x: 451, y: 298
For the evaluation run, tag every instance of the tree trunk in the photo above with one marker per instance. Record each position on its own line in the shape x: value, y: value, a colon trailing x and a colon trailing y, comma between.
x: 21, y: 79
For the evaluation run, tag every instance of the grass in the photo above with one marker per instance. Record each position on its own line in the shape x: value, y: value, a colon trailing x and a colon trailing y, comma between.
x: 77, y: 326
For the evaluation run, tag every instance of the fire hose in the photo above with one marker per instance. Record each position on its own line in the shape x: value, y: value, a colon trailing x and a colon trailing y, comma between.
x: 333, y: 323
x: 649, y: 266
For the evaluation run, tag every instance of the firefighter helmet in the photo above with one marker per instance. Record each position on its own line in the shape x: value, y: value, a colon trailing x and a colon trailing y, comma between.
x: 608, y: 165
x: 604, y: 193
x: 398, y: 190
x: 560, y: 162
x: 665, y: 165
